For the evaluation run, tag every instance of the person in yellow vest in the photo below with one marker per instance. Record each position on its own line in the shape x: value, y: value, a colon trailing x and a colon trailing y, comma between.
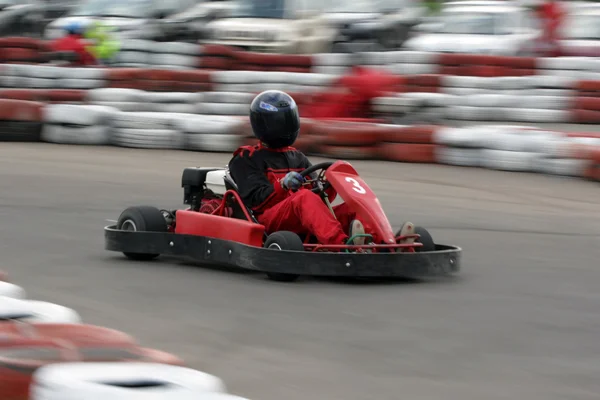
x: 104, y: 45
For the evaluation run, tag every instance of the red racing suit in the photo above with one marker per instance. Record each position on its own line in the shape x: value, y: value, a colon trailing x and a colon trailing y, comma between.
x: 76, y: 44
x: 258, y: 171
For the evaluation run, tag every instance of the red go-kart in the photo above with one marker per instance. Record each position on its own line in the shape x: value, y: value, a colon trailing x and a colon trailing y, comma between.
x: 230, y: 234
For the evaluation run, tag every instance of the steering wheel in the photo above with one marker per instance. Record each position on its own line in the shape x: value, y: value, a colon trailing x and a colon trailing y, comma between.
x: 322, y: 185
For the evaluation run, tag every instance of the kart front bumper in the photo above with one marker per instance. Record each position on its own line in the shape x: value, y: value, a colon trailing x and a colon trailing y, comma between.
x: 444, y: 261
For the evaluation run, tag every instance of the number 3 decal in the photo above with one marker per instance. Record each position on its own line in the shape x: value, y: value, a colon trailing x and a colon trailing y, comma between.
x: 357, y: 188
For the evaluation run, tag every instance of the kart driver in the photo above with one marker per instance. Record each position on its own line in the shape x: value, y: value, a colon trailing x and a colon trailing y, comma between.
x: 269, y: 180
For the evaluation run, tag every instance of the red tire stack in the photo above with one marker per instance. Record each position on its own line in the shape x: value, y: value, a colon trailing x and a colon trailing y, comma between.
x: 21, y: 50
x: 20, y: 120
x: 249, y: 61
x: 348, y: 140
x: 429, y: 83
x: 44, y: 95
x: 412, y: 144
x: 159, y: 80
x: 486, y: 65
x: 586, y: 106
x: 217, y: 58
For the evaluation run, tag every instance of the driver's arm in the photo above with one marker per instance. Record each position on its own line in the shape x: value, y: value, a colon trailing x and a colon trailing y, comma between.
x: 254, y: 188
x: 331, y: 193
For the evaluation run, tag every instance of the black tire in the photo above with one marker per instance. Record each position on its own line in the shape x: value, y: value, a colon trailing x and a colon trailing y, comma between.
x: 142, y: 219
x: 283, y: 240
x: 425, y: 239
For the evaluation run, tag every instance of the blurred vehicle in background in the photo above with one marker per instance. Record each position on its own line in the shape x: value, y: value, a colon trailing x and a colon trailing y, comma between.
x: 479, y: 27
x: 29, y: 17
x: 372, y: 25
x: 190, y: 25
x: 130, y: 19
x: 580, y: 34
x: 274, y: 26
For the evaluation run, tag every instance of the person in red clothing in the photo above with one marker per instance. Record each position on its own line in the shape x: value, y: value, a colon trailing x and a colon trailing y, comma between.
x: 351, y: 95
x: 551, y: 15
x: 269, y: 181
x: 74, y: 42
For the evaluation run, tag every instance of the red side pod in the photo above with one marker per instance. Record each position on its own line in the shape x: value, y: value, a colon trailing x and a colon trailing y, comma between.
x: 361, y: 199
x: 235, y: 230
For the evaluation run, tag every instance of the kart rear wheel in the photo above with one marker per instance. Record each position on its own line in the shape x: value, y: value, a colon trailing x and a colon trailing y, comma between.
x: 425, y: 239
x: 283, y: 240
x: 142, y: 219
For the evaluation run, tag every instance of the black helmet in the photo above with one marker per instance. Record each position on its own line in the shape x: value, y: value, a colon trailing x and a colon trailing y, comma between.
x: 275, y: 119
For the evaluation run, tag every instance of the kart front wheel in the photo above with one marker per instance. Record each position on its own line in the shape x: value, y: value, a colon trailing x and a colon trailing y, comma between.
x: 283, y: 240
x: 425, y: 239
x: 142, y: 219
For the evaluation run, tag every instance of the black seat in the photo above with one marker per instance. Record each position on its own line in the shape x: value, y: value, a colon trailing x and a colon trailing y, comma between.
x: 195, y: 177
x: 229, y: 182
x: 193, y: 184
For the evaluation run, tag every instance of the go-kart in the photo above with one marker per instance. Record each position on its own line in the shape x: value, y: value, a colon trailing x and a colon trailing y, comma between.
x: 230, y: 234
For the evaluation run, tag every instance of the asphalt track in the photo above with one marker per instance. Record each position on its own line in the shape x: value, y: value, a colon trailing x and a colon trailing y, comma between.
x: 521, y: 322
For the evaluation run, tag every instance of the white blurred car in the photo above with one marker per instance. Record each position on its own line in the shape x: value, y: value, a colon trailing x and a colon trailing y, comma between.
x: 581, y: 32
x: 274, y: 26
x: 130, y: 19
x: 479, y: 27
x: 372, y: 24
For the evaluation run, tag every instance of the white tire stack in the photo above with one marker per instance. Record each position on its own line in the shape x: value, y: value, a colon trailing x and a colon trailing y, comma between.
x: 172, y: 102
x: 123, y: 381
x: 77, y: 124
x: 211, y: 133
x: 30, y: 76
x: 36, y: 311
x: 174, y: 55
x: 11, y: 290
x: 561, y: 158
x: 310, y: 83
x: 82, y: 78
x: 238, y: 81
x: 573, y: 67
x: 413, y: 104
x: 119, y: 98
x: 519, y: 99
x: 134, y: 53
x: 147, y: 130
x: 332, y: 63
x: 410, y: 62
x: 510, y: 148
x: 12, y: 76
x: 226, y: 103
x: 459, y: 146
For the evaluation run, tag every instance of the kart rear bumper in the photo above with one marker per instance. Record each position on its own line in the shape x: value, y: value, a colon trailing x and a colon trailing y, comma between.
x: 442, y: 262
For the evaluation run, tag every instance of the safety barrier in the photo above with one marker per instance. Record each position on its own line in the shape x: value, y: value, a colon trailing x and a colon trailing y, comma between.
x: 503, y: 147
x: 531, y: 99
x: 178, y: 55
x: 48, y: 353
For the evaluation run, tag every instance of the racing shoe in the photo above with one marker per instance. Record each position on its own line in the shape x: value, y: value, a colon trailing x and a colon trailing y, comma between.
x: 357, y: 234
x: 408, y: 228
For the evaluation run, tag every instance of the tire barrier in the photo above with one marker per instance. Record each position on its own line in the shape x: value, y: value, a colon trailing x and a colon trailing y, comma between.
x: 120, y: 381
x: 425, y: 97
x: 137, y: 53
x: 11, y: 290
x: 22, y: 50
x: 36, y: 311
x: 501, y: 147
x: 47, y: 353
